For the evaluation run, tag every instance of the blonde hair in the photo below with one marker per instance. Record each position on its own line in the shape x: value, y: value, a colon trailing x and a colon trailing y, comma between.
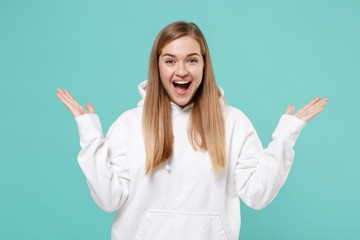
x: 206, y: 130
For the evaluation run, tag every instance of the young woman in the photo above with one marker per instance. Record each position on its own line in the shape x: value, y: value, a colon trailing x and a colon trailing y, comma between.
x: 175, y: 166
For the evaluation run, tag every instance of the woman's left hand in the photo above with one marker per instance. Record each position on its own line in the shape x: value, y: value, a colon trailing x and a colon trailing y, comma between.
x: 310, y: 110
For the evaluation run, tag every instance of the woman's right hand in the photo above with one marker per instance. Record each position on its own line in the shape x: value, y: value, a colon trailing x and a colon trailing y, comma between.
x: 75, y: 108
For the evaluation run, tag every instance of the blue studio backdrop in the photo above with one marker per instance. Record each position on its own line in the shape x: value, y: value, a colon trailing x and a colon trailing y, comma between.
x: 266, y: 55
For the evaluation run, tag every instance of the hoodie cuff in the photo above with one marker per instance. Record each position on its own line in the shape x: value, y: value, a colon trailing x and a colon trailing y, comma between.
x: 288, y: 128
x: 89, y: 126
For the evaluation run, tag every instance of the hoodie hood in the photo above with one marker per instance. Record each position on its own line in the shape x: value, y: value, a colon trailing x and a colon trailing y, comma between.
x: 142, y: 89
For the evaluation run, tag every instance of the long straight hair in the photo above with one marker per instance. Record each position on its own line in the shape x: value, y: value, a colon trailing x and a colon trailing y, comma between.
x: 206, y: 130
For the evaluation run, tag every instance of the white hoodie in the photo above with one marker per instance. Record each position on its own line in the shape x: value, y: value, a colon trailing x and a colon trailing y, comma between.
x: 182, y: 199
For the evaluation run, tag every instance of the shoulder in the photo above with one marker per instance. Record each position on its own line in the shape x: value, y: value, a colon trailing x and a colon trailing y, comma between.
x: 235, y: 115
x: 236, y: 119
x: 237, y: 124
x: 131, y: 116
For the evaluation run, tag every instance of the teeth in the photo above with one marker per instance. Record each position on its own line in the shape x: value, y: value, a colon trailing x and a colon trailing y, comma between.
x: 182, y: 82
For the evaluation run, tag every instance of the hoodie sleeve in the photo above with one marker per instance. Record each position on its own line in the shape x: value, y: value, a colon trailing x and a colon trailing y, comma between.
x: 103, y: 161
x: 260, y: 173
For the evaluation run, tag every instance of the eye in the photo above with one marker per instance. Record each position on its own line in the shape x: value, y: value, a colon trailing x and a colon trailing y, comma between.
x: 193, y: 60
x: 169, y: 61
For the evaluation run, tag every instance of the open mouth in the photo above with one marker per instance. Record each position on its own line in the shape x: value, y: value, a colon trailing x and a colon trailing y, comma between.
x: 181, y: 87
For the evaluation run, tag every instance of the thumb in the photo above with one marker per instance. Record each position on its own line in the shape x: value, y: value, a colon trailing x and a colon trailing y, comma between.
x: 290, y: 109
x: 90, y: 107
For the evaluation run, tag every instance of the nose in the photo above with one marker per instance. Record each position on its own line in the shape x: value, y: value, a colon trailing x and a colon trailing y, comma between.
x: 181, y: 70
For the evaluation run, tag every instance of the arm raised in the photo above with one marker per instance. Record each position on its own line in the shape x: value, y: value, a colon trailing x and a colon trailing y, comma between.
x: 103, y: 161
x: 259, y: 172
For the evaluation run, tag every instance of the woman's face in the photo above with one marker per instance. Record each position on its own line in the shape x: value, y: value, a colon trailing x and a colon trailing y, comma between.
x: 181, y: 69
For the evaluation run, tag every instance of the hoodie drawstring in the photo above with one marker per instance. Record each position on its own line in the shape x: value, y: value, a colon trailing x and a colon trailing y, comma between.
x: 167, y: 167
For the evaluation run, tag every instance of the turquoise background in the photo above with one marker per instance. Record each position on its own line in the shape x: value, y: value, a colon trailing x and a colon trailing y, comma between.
x: 266, y: 56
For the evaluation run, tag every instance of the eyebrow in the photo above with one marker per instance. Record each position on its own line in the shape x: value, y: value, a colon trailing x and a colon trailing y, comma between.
x: 168, y: 54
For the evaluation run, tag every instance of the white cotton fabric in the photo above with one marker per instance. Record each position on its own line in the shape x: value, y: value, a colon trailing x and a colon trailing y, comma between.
x: 182, y: 199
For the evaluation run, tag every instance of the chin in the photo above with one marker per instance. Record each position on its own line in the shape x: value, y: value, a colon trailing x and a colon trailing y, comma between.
x: 182, y: 103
